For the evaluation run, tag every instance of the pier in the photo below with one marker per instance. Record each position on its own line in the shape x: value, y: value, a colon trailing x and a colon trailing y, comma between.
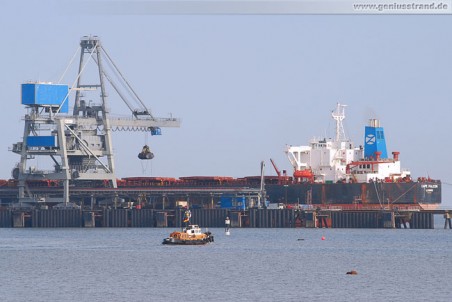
x: 163, y: 206
x: 251, y: 218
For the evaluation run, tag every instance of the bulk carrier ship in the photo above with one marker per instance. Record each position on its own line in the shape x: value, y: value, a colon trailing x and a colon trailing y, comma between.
x: 328, y: 173
x: 331, y: 173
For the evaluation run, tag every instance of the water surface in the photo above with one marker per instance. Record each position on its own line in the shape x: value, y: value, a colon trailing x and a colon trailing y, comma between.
x: 250, y: 265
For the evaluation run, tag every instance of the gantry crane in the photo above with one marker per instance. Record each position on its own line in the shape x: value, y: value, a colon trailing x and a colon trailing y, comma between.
x: 78, y: 144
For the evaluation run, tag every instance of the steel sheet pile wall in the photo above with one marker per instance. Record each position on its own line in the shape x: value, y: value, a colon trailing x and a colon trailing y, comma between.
x: 178, y: 217
x: 354, y: 219
x: 212, y: 218
x: 56, y: 218
x: 310, y: 219
x: 254, y: 218
x: 274, y: 218
x: 6, y: 219
x: 141, y: 218
x: 19, y: 219
x: 422, y: 221
x: 116, y: 218
x: 235, y: 219
x: 386, y: 220
x: 161, y: 219
x: 89, y: 219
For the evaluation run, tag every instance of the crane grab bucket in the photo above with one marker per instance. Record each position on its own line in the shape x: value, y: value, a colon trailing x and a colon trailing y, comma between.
x: 146, y: 153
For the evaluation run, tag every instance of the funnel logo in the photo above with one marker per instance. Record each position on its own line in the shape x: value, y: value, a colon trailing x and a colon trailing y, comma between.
x: 370, y: 139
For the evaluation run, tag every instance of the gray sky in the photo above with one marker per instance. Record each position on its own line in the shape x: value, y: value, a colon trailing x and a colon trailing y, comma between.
x: 245, y: 85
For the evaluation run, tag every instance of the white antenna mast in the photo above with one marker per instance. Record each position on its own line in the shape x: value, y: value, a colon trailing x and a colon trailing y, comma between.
x: 339, y: 115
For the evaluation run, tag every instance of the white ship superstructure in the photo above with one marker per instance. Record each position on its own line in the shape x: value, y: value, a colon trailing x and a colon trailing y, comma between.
x: 337, y: 160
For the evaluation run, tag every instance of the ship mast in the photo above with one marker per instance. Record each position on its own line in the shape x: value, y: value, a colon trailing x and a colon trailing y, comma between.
x: 339, y: 115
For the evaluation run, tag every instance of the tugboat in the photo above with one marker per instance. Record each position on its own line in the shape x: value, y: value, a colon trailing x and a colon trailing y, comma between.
x: 191, y: 234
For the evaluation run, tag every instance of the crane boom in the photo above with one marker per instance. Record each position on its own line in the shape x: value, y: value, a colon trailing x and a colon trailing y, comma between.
x: 276, y: 168
x: 123, y: 123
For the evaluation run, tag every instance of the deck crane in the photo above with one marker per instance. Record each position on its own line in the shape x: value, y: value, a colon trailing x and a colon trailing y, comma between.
x: 78, y: 143
x: 282, y: 177
x: 276, y: 168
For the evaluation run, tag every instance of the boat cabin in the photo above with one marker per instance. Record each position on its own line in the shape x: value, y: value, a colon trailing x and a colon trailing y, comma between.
x: 193, y: 229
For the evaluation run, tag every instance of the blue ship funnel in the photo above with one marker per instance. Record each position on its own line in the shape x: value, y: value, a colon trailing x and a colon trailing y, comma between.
x: 374, y: 140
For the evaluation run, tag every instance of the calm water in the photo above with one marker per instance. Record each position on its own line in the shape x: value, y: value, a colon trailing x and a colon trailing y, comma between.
x: 249, y: 265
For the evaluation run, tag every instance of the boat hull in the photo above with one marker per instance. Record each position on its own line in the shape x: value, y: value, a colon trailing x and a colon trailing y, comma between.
x: 427, y: 194
x: 175, y: 241
x: 172, y: 241
x: 190, y: 235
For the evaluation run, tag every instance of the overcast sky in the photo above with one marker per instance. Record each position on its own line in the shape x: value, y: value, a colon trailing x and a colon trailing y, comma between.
x: 245, y: 85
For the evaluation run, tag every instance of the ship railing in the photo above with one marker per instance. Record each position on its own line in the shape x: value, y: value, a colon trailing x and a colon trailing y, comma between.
x: 333, y: 208
x: 306, y: 207
x: 325, y: 207
x: 314, y: 207
x: 407, y: 208
x: 359, y: 207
